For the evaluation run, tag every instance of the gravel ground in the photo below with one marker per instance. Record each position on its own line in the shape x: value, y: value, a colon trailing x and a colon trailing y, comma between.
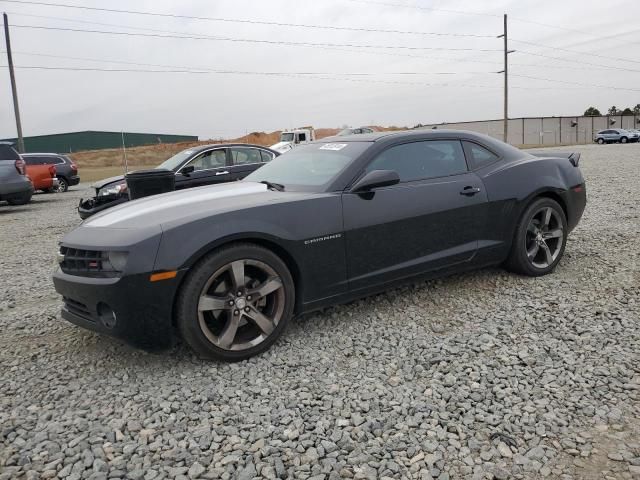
x: 486, y: 375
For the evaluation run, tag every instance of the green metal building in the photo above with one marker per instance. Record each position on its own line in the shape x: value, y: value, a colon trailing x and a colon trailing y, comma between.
x: 95, y: 140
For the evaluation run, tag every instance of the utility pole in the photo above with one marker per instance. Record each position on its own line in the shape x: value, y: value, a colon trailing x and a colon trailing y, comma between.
x: 124, y: 154
x: 14, y: 90
x: 506, y: 81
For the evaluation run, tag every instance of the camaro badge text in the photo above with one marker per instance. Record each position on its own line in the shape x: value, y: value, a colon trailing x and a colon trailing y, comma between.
x: 322, y: 239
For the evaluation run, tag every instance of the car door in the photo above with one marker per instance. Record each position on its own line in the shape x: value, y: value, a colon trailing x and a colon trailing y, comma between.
x: 244, y: 160
x: 210, y: 166
x: 431, y: 220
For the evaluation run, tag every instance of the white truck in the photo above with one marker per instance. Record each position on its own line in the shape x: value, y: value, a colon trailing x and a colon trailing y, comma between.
x: 292, y: 138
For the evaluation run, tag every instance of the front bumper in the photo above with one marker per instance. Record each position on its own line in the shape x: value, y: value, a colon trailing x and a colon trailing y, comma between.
x: 142, y: 310
x: 91, y: 206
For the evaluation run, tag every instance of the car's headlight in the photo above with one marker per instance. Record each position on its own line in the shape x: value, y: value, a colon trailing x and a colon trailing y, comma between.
x: 113, y: 189
x: 118, y: 260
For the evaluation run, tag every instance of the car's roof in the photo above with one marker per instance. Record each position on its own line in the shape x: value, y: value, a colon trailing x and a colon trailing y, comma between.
x: 225, y: 145
x: 418, y: 132
x: 32, y: 154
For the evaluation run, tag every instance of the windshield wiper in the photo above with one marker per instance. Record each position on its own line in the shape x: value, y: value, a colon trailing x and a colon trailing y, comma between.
x: 273, y: 186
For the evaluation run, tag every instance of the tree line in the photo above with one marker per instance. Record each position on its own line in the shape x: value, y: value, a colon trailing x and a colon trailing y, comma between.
x: 594, y: 112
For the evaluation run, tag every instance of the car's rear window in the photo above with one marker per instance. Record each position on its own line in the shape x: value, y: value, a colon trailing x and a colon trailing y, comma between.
x: 7, y: 152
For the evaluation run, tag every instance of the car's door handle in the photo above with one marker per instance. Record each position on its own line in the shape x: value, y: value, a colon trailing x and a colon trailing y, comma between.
x: 469, y: 191
x: 222, y: 173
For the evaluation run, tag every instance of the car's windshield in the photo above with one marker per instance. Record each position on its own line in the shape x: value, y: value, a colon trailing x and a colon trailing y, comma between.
x: 309, y: 167
x: 346, y: 131
x: 178, y: 159
x: 287, y: 137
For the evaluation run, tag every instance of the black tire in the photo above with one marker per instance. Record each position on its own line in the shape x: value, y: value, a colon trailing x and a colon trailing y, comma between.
x: 601, y: 141
x: 194, y: 325
x: 624, y: 139
x: 63, y: 185
x: 23, y: 200
x: 519, y: 260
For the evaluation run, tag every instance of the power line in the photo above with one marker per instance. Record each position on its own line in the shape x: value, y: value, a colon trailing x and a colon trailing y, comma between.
x: 568, y: 67
x: 248, y: 40
x: 248, y: 21
x: 360, y: 52
x: 315, y: 76
x: 320, y: 76
x: 590, y: 54
x: 430, y: 9
x: 580, y: 62
x: 209, y: 70
x: 576, y: 83
x: 463, y: 12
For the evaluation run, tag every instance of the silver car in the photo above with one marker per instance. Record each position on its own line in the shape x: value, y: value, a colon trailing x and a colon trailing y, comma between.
x: 614, y: 135
x: 15, y: 187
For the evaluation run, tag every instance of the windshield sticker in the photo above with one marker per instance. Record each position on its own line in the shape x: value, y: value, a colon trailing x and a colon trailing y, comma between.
x: 333, y: 146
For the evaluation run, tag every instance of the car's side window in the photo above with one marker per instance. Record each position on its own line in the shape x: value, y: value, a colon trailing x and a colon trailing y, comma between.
x: 266, y: 156
x: 245, y: 156
x: 420, y: 160
x: 208, y: 160
x: 479, y: 156
x: 31, y: 160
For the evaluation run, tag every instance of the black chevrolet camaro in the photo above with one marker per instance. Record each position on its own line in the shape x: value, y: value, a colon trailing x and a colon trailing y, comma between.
x: 227, y: 266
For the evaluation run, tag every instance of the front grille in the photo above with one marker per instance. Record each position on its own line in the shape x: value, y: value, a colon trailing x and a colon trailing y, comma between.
x: 77, y: 308
x: 86, y: 263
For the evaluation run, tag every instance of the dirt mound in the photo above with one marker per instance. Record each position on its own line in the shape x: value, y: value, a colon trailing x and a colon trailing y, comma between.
x: 151, y: 155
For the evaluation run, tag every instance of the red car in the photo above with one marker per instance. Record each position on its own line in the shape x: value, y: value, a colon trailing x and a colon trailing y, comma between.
x: 42, y: 176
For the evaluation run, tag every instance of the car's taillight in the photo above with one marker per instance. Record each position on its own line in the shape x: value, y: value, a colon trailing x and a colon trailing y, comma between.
x: 52, y: 170
x: 19, y: 164
x: 74, y: 167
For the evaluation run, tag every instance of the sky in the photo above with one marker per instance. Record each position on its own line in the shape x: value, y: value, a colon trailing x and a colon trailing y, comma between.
x: 578, y: 53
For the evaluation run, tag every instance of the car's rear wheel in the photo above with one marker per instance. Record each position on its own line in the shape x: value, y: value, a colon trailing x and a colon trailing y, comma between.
x: 63, y: 185
x: 623, y: 140
x: 601, y: 141
x: 540, y: 239
x: 21, y: 200
x: 235, y: 303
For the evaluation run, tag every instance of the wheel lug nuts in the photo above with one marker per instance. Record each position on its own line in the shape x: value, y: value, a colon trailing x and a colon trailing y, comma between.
x: 239, y: 293
x: 236, y: 312
x: 230, y: 302
x: 246, y: 309
x: 248, y: 297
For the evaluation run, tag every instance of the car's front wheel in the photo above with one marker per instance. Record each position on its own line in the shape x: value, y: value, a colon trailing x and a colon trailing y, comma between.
x: 624, y: 140
x: 601, y: 141
x: 235, y: 302
x: 540, y: 239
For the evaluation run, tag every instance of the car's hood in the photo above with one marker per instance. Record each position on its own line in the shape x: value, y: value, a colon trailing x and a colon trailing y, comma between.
x: 282, y: 147
x: 101, y: 183
x: 186, y: 205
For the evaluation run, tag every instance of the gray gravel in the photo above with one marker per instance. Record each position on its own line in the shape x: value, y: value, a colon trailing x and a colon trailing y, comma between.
x: 486, y: 375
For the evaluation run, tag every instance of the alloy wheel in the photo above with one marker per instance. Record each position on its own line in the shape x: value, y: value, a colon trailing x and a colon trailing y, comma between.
x: 62, y: 185
x: 543, y: 241
x: 241, y: 304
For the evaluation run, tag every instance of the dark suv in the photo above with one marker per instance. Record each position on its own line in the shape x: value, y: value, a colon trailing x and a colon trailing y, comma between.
x: 15, y: 186
x: 66, y: 169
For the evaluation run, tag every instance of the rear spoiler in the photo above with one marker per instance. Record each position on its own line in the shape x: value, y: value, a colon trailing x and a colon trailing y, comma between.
x: 573, y: 157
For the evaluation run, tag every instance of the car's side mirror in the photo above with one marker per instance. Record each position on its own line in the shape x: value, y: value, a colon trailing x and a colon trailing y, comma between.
x: 188, y: 170
x: 376, y: 179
